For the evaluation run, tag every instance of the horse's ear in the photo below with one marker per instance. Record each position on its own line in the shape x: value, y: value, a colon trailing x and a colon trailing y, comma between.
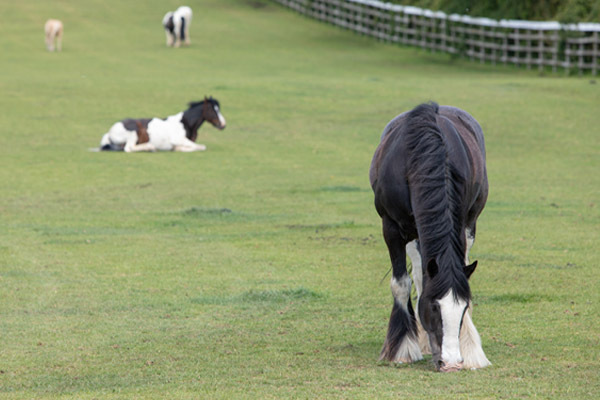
x: 432, y: 268
x: 469, y: 269
x: 205, y: 99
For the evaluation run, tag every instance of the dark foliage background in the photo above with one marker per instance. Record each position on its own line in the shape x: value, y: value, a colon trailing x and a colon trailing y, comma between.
x: 535, y: 10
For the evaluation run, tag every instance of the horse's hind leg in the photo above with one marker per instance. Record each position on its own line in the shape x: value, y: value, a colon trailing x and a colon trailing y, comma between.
x: 131, y: 148
x: 470, y: 239
x: 401, y: 344
x: 412, y: 249
x: 188, y: 40
x: 49, y: 41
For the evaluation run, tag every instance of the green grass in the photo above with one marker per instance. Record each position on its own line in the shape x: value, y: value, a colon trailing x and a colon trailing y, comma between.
x: 253, y: 270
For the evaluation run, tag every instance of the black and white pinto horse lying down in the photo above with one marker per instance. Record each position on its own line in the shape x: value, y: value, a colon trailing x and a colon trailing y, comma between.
x: 175, y: 133
x: 177, y: 26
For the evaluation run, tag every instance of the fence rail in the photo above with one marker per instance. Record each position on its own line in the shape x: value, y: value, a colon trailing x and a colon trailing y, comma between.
x: 571, y: 47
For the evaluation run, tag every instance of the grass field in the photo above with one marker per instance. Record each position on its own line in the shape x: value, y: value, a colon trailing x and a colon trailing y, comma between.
x: 254, y: 269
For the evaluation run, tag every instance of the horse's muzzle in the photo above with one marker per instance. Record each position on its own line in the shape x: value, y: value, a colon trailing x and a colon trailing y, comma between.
x: 450, y: 367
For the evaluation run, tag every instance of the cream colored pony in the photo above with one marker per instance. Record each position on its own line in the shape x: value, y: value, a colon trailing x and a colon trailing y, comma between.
x: 54, y: 33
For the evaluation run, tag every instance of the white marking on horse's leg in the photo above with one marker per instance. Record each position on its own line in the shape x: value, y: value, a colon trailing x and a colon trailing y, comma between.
x: 409, y: 351
x: 170, y: 38
x: 401, y: 291
x: 470, y: 239
x: 188, y: 41
x: 423, y: 338
x: 452, y: 311
x: 417, y: 275
x: 146, y: 147
x: 417, y: 267
x: 470, y: 344
x: 139, y: 147
x: 189, y: 148
x: 186, y: 145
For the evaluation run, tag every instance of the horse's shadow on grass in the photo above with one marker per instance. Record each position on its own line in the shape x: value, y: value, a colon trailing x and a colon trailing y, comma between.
x: 424, y: 365
x: 368, y: 351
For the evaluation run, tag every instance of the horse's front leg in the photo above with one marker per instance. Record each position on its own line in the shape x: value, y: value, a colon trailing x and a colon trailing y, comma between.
x: 470, y: 240
x: 132, y: 147
x: 186, y: 145
x: 401, y: 343
x: 412, y: 249
x: 177, y: 41
x: 470, y: 341
x: 170, y: 38
x: 140, y: 147
x: 470, y: 344
x: 188, y: 41
x: 49, y: 42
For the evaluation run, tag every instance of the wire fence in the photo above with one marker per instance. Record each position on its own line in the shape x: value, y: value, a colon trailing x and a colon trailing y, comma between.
x: 545, y: 45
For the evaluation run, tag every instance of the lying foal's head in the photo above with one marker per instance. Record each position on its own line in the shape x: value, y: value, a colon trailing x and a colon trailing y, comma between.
x: 200, y: 111
x: 209, y: 110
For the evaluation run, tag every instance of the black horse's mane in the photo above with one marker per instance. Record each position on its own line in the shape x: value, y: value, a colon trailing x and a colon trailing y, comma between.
x: 194, y: 104
x: 436, y: 189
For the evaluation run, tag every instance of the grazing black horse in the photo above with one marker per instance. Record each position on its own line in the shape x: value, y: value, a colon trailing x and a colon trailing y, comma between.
x: 430, y: 183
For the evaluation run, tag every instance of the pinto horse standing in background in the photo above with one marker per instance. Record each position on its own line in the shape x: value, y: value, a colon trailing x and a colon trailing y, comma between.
x: 54, y: 32
x: 430, y: 183
x: 177, y: 26
x: 177, y: 132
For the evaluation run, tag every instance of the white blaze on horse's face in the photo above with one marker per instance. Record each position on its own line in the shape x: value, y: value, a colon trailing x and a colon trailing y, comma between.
x: 222, y: 121
x: 452, y: 311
